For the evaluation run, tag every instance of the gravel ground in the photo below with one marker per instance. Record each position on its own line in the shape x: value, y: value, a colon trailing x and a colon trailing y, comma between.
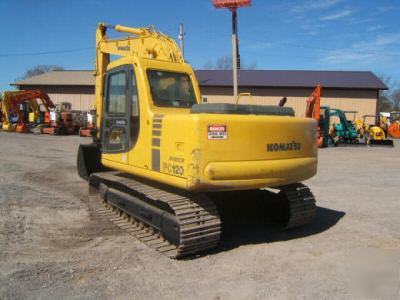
x: 52, y: 245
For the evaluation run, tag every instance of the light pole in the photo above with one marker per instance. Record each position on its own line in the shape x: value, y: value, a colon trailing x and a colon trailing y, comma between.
x: 233, y: 5
x: 181, y: 38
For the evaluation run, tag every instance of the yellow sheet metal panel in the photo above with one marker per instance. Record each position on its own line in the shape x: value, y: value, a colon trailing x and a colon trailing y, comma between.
x: 254, y: 143
x: 277, y: 171
x: 186, y: 153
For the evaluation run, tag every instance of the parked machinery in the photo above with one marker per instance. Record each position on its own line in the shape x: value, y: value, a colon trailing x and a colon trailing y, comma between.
x: 343, y: 133
x: 23, y: 104
x: 8, y: 109
x: 61, y: 123
x: 159, y: 155
x: 88, y: 128
x: 1, y: 112
x: 63, y: 120
x: 313, y: 110
x: 394, y: 127
x: 375, y: 133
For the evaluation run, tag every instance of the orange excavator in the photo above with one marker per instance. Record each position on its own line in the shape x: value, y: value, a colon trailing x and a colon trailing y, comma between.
x: 394, y: 127
x: 313, y: 110
x: 12, y: 100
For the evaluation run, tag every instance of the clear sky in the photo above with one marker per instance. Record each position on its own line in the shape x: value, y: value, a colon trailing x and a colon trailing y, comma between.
x: 275, y: 34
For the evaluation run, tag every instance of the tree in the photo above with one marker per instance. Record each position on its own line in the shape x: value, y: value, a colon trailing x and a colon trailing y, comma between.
x: 384, y: 103
x: 396, y: 100
x: 40, y: 69
x: 389, y: 100
x: 225, y: 63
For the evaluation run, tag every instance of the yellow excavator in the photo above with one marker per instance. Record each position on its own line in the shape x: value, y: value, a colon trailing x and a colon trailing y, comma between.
x: 7, y: 107
x: 160, y: 156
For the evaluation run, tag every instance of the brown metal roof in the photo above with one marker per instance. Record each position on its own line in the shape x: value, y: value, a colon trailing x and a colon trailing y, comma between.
x: 299, y: 79
x: 75, y: 78
x: 247, y: 78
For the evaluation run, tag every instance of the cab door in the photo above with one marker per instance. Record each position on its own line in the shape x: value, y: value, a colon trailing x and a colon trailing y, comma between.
x: 119, y: 127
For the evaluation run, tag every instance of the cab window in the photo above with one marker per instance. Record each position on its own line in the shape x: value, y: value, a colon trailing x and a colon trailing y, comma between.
x: 116, y: 98
x: 171, y: 89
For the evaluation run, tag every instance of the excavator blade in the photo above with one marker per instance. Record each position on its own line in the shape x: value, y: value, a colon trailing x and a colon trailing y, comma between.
x: 384, y: 143
x: 89, y: 160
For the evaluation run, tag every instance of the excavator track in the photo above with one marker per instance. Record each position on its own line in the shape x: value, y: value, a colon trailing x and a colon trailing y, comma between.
x: 175, y: 224
x: 299, y: 205
x: 178, y: 223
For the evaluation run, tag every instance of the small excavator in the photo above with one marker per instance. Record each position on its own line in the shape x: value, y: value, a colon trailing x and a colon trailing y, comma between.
x: 160, y: 157
x: 343, y: 133
x: 375, y: 133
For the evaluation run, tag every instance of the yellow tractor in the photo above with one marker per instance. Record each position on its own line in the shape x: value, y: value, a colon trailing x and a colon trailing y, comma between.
x: 160, y: 155
x: 374, y: 133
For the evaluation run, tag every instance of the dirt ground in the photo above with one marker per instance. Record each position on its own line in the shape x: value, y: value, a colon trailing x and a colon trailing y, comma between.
x: 52, y: 244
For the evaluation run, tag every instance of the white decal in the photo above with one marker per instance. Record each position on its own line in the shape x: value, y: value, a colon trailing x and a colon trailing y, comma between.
x: 217, y: 132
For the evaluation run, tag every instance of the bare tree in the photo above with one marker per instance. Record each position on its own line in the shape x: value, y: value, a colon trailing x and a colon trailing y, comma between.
x: 389, y: 100
x: 225, y: 63
x: 384, y: 103
x: 209, y: 65
x: 40, y: 69
x: 396, y: 100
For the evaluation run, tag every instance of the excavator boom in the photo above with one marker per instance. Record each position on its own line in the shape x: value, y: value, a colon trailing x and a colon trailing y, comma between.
x: 314, y: 104
x: 313, y: 110
x: 145, y: 43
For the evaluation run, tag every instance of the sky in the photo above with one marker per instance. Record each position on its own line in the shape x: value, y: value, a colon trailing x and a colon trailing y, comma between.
x: 273, y: 34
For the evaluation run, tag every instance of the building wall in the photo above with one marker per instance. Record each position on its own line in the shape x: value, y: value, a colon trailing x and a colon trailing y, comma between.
x: 363, y: 101
x: 80, y: 97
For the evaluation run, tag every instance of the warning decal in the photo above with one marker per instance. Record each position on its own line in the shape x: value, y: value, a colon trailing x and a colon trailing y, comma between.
x: 217, y: 132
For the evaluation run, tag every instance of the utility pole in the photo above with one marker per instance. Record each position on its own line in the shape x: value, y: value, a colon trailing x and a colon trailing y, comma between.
x: 233, y: 5
x: 181, y: 40
x: 235, y: 55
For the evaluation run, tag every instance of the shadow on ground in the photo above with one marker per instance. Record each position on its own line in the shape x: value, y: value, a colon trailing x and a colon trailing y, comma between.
x: 253, y: 221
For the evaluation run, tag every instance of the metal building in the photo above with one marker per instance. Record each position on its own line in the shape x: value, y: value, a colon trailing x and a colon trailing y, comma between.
x: 347, y: 90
